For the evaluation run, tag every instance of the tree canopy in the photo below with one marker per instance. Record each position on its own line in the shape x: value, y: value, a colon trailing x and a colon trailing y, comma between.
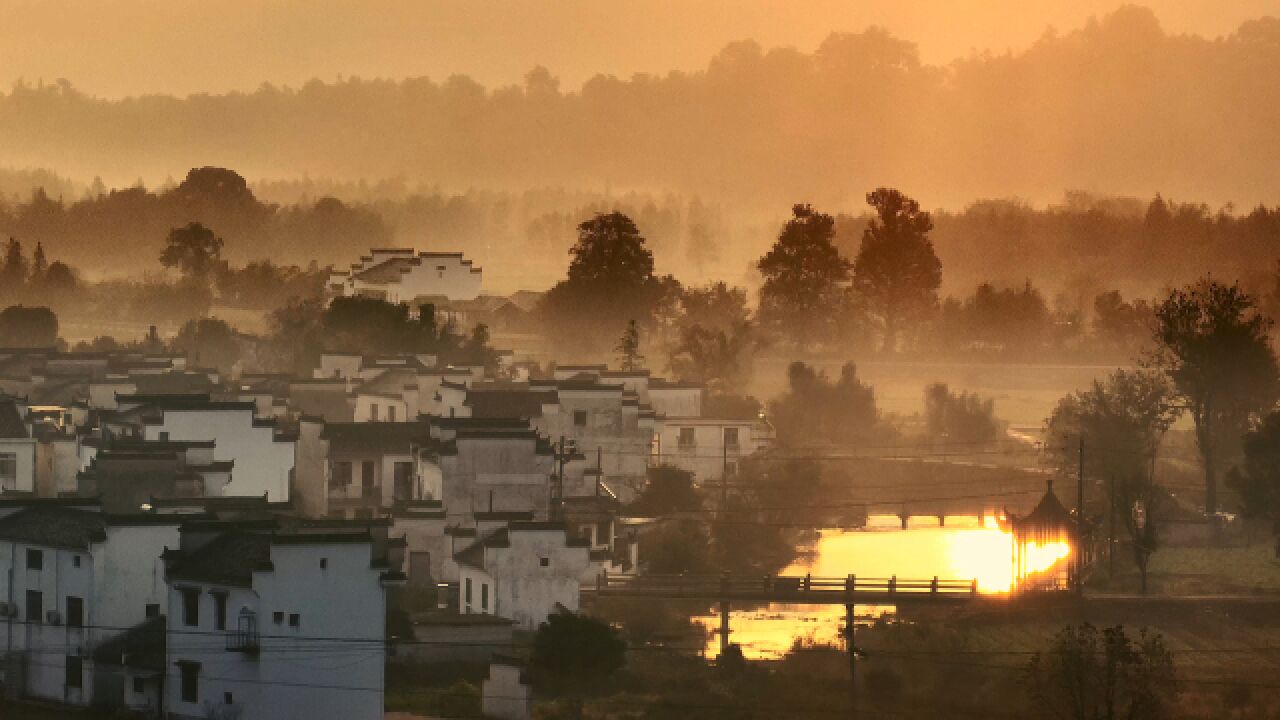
x: 896, y: 269
x: 1212, y: 342
x: 805, y: 278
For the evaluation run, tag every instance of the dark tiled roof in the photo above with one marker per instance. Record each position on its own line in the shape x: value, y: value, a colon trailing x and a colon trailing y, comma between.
x: 228, y: 560
x: 393, y: 435
x: 522, y: 403
x: 11, y: 425
x: 53, y: 526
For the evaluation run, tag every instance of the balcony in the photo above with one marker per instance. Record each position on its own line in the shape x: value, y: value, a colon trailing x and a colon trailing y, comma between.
x: 245, y: 639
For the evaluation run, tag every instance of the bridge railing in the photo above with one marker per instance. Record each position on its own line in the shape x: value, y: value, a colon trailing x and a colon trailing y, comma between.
x: 782, y: 585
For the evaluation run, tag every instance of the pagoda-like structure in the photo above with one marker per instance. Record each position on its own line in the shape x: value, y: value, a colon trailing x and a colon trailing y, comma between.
x: 1049, y: 523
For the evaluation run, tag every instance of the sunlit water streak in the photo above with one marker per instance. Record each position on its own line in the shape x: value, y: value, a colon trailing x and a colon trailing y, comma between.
x: 962, y: 550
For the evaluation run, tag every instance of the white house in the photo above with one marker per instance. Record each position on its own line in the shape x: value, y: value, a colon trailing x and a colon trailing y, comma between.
x: 263, y: 455
x: 70, y: 580
x: 402, y: 275
x: 524, y: 571
x: 276, y: 625
x: 17, y: 449
x: 708, y: 447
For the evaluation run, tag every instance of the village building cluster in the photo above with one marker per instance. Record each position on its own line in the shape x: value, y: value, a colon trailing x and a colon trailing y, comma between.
x: 179, y: 542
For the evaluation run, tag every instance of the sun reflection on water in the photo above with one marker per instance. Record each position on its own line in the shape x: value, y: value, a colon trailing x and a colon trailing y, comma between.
x: 963, y: 549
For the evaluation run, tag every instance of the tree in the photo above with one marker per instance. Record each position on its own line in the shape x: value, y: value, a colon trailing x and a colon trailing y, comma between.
x: 816, y: 410
x: 896, y: 269
x: 1121, y: 421
x: 610, y: 276
x: 1089, y: 674
x: 573, y: 654
x: 209, y: 342
x: 959, y: 417
x: 669, y: 490
x: 39, y: 263
x: 1257, y: 479
x: 628, y: 349
x: 804, y: 279
x: 13, y: 273
x: 194, y: 250
x: 1212, y: 343
x: 716, y: 306
x: 1123, y: 327
x: 28, y: 327
x: 719, y: 359
x: 60, y: 277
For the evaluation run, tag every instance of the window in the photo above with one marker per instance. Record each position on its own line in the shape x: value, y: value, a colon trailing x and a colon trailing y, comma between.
x: 391, y: 413
x: 295, y: 620
x: 341, y: 473
x: 324, y: 563
x: 139, y: 686
x: 190, y: 682
x: 277, y: 617
x: 484, y: 596
x: 544, y: 562
x: 466, y: 592
x: 373, y: 412
x: 687, y: 439
x: 190, y: 606
x: 75, y: 671
x: 731, y: 438
x: 75, y: 611
x: 580, y: 418
x: 153, y: 610
x: 35, y: 559
x: 220, y: 610
x: 367, y: 478
x: 75, y: 561
x: 8, y: 471
x: 228, y: 698
x: 164, y: 437
x: 403, y: 480
x: 35, y: 606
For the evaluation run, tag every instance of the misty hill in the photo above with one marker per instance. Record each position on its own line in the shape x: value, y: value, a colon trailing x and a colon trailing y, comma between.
x: 1117, y: 106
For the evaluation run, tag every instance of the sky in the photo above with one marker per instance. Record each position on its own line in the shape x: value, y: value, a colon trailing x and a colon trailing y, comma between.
x: 115, y: 48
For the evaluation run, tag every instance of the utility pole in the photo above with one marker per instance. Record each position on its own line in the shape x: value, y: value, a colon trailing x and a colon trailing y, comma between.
x: 1111, y: 530
x: 1080, y: 523
x: 557, y: 492
x: 724, y: 475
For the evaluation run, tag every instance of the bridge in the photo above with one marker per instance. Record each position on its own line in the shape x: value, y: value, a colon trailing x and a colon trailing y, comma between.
x: 794, y: 589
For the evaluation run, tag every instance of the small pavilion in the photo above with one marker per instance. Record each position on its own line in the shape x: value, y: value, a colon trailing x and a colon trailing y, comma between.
x: 1049, y: 523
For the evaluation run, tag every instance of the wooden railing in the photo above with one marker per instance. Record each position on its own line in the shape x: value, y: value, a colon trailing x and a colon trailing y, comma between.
x: 830, y: 589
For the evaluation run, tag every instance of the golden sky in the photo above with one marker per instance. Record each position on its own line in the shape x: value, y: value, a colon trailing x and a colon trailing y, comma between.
x: 124, y: 47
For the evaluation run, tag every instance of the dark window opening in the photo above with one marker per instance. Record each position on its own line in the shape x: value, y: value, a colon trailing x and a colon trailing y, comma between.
x: 153, y: 610
x: 228, y: 698
x: 324, y: 563
x: 75, y: 560
x: 220, y: 610
x: 580, y: 418
x: 139, y: 686
x: 294, y: 620
x: 190, y: 682
x: 75, y: 611
x: 484, y: 596
x: 544, y: 562
x: 35, y: 606
x: 277, y: 617
x: 342, y: 473
x: 35, y: 559
x: 75, y: 671
x: 191, y: 606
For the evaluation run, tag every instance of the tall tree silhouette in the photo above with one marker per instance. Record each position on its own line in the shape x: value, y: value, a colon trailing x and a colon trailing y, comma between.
x: 610, y: 276
x: 896, y: 269
x: 804, y: 278
x: 194, y: 250
x: 1212, y: 342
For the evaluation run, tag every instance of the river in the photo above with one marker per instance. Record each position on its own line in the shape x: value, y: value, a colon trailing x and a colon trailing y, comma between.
x: 961, y: 549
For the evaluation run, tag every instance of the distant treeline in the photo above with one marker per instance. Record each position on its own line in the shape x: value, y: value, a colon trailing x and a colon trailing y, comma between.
x: 1117, y: 104
x: 1072, y: 250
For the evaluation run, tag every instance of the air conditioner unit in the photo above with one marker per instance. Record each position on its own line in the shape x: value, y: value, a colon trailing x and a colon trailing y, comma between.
x: 53, y: 617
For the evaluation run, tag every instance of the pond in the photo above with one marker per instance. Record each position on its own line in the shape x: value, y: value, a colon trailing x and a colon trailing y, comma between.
x: 962, y: 548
